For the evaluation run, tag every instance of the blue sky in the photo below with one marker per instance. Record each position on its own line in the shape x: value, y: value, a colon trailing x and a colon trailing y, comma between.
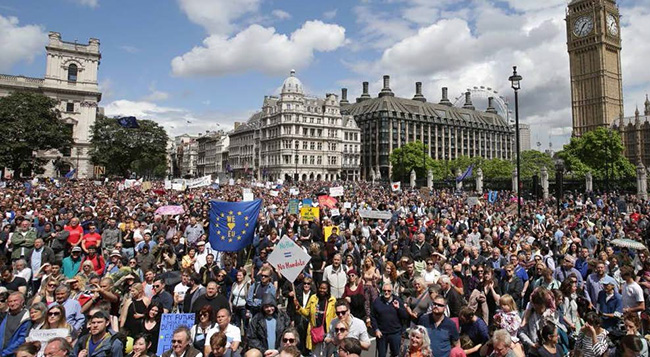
x: 212, y: 61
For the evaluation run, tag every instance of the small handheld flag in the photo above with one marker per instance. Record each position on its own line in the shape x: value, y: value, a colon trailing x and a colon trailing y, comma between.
x: 70, y: 174
x: 232, y: 224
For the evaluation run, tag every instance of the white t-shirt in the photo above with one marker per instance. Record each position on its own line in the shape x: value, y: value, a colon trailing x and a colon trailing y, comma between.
x: 632, y: 295
x: 181, y: 289
x: 233, y: 334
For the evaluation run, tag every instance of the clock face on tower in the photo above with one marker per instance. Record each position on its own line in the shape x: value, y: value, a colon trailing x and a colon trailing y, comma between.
x: 583, y: 26
x: 612, y: 26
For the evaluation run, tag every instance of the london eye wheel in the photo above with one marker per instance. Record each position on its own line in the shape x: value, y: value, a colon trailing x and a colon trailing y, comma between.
x: 480, y: 97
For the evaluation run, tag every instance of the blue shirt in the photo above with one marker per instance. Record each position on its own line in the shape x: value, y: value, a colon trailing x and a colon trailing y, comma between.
x: 442, y: 336
x: 73, y: 314
x: 270, y: 333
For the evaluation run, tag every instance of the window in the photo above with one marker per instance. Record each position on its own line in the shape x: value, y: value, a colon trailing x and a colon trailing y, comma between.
x: 304, y: 159
x: 69, y: 107
x: 312, y: 145
x: 319, y: 160
x: 304, y: 145
x: 72, y: 73
x: 320, y: 146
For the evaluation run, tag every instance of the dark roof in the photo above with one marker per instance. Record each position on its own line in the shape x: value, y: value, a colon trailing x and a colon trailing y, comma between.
x: 251, y: 124
x: 437, y: 112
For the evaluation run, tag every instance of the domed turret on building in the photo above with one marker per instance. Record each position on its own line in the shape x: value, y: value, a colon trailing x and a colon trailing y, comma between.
x: 292, y: 85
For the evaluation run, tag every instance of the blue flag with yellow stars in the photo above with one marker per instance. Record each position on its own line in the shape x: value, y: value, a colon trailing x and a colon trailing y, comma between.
x: 232, y: 224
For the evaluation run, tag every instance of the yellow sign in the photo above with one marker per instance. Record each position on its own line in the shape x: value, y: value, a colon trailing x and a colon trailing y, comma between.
x: 309, y: 213
x: 327, y: 231
x: 100, y: 171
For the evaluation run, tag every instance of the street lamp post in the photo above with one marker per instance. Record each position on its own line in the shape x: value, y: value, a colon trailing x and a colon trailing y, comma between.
x: 559, y: 182
x: 515, y: 81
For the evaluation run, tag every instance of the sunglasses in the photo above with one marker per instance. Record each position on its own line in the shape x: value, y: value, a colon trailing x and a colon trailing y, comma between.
x: 53, y: 313
x: 52, y: 285
x: 387, y: 291
x: 176, y: 342
x: 288, y: 340
x: 341, y: 313
x: 439, y: 305
x: 157, y: 286
x: 266, y: 276
x: 340, y: 329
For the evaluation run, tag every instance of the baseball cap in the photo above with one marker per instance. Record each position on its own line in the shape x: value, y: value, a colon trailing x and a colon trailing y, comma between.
x: 115, y: 252
x: 76, y: 249
x: 608, y: 280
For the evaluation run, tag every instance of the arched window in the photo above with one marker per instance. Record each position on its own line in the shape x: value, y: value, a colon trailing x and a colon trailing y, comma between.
x: 72, y: 73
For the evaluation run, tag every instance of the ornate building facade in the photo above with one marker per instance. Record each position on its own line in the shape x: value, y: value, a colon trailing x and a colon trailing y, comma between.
x: 388, y: 122
x: 594, y: 46
x: 70, y: 79
x: 635, y: 134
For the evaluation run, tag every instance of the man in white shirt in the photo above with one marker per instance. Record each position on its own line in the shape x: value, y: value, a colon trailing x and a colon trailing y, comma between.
x: 336, y: 276
x: 632, y: 294
x: 180, y: 289
x: 357, y: 328
x: 233, y: 333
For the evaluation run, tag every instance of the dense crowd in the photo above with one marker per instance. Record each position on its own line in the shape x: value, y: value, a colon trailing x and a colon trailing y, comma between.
x: 89, y: 268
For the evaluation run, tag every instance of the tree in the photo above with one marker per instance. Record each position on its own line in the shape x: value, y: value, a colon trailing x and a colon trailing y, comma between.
x: 412, y: 157
x: 532, y: 162
x: 122, y: 151
x: 30, y: 123
x: 600, y: 152
x: 497, y: 168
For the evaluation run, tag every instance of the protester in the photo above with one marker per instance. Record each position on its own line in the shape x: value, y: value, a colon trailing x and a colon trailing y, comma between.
x: 100, y: 340
x: 182, y: 344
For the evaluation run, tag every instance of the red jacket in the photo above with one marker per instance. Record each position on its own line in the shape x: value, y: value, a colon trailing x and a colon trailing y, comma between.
x: 98, y: 263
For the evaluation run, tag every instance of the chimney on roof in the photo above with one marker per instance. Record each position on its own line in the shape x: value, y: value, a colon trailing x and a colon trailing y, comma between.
x: 418, y: 93
x: 344, y: 96
x: 468, y: 101
x: 386, y: 90
x: 364, y: 95
x: 491, y: 108
x: 445, y: 97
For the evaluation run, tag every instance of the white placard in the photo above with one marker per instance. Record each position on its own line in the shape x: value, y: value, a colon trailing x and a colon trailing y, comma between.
x: 347, y: 204
x: 335, y: 212
x: 43, y: 336
x: 231, y: 182
x: 247, y: 190
x: 199, y: 182
x: 178, y: 187
x: 248, y: 196
x: 336, y: 191
x: 168, y: 184
x: 288, y: 259
x: 294, y: 191
x: 366, y: 213
x: 274, y: 193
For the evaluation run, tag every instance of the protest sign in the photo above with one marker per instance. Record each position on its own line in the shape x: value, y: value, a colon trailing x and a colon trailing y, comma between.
x: 45, y: 335
x: 231, y: 182
x: 336, y: 191
x: 335, y: 212
x: 370, y: 214
x: 248, y: 196
x: 178, y: 187
x: 307, y: 202
x: 274, y: 193
x: 294, y: 191
x: 347, y: 205
x: 168, y: 323
x: 288, y: 259
x: 247, y: 190
x: 309, y: 213
x: 168, y: 184
x: 292, y: 207
x: 328, y: 230
x: 327, y: 201
x: 199, y: 182
x: 472, y: 201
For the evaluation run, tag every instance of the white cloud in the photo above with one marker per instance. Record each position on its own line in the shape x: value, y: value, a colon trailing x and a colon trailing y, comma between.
x: 19, y: 43
x: 218, y: 16
x: 260, y: 49
x: 156, y: 96
x: 380, y: 29
x: 89, y: 3
x: 281, y: 14
x: 328, y: 15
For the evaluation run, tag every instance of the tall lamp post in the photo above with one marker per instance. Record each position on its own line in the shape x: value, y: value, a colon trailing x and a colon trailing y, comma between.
x: 559, y: 182
x: 515, y: 81
x: 295, y: 175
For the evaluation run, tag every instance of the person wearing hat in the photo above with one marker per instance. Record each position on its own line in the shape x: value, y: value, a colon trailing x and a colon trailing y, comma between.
x: 100, y: 341
x: 609, y: 303
x: 114, y: 265
x: 145, y: 259
x: 72, y: 263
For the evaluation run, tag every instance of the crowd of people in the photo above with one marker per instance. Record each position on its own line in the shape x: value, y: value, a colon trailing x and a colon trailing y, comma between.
x: 89, y: 269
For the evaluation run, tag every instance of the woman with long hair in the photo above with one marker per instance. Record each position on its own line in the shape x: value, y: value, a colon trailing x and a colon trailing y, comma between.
x: 56, y: 319
x: 205, y: 321
x: 548, y: 342
x: 141, y: 345
x: 87, y: 270
x: 238, y: 294
x: 38, y: 314
x: 151, y: 323
x: 133, y: 310
x: 571, y: 318
x: 418, y: 304
x: 46, y: 294
x: 390, y: 274
x: 320, y: 311
x: 341, y: 331
x: 592, y: 340
x: 490, y: 287
x: 418, y: 343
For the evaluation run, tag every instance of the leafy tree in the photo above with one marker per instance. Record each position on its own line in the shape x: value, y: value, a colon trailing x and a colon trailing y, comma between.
x: 412, y: 157
x: 30, y: 122
x: 598, y: 151
x: 532, y: 162
x: 124, y: 150
x: 497, y: 168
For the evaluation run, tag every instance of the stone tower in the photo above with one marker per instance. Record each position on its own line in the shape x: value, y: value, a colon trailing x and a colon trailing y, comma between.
x: 594, y: 46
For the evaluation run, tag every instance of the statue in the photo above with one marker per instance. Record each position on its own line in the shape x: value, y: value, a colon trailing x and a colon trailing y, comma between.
x: 412, y: 178
x: 589, y: 182
x: 372, y: 175
x: 515, y: 189
x: 430, y: 179
x: 378, y: 174
x: 544, y: 174
x: 641, y: 181
x: 479, y: 181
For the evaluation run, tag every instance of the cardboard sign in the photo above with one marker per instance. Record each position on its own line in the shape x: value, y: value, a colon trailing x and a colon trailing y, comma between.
x: 168, y: 323
x: 248, y: 196
x: 293, y: 207
x: 309, y: 213
x: 288, y: 259
x: 327, y: 231
x: 370, y: 214
x: 336, y: 191
x: 472, y: 201
x: 335, y: 212
x: 347, y: 205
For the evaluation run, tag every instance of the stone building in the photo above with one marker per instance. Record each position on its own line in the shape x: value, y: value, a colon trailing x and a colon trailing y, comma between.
x: 186, y: 147
x: 210, y: 153
x: 244, y: 148
x: 70, y: 79
x: 635, y: 134
x: 524, y: 136
x: 388, y: 122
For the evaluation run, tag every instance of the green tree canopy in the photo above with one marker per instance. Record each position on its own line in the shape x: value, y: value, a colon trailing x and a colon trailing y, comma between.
x: 598, y: 151
x: 30, y: 122
x: 412, y: 157
x: 532, y: 162
x: 122, y: 150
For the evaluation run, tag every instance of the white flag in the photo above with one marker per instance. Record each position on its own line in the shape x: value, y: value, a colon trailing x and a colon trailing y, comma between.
x: 396, y: 186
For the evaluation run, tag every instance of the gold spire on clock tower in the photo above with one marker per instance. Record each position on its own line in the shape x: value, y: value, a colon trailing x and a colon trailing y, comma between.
x: 594, y: 45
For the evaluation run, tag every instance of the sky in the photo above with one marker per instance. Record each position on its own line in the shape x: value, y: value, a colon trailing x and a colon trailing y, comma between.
x: 197, y: 65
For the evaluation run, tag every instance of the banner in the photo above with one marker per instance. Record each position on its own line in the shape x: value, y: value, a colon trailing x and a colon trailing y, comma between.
x: 168, y: 323
x: 309, y: 213
x: 293, y: 207
x: 199, y: 182
x: 44, y: 336
x: 336, y: 191
x: 327, y: 201
x: 370, y: 214
x: 288, y: 259
x: 328, y: 230
x: 232, y: 224
x: 178, y: 187
x: 347, y: 205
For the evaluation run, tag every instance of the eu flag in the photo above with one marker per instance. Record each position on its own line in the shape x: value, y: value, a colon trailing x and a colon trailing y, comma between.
x: 70, y: 174
x: 128, y: 122
x: 232, y: 224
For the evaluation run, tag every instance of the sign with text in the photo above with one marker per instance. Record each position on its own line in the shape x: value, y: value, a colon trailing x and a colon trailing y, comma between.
x: 168, y: 323
x: 370, y: 214
x: 335, y: 212
x: 99, y: 171
x: 43, y: 336
x: 327, y: 201
x: 309, y: 213
x: 293, y: 207
x: 294, y: 191
x: 288, y: 259
x: 248, y: 196
x: 336, y: 191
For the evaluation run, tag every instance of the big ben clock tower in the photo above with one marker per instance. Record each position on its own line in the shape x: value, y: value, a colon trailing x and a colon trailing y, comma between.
x: 594, y: 44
